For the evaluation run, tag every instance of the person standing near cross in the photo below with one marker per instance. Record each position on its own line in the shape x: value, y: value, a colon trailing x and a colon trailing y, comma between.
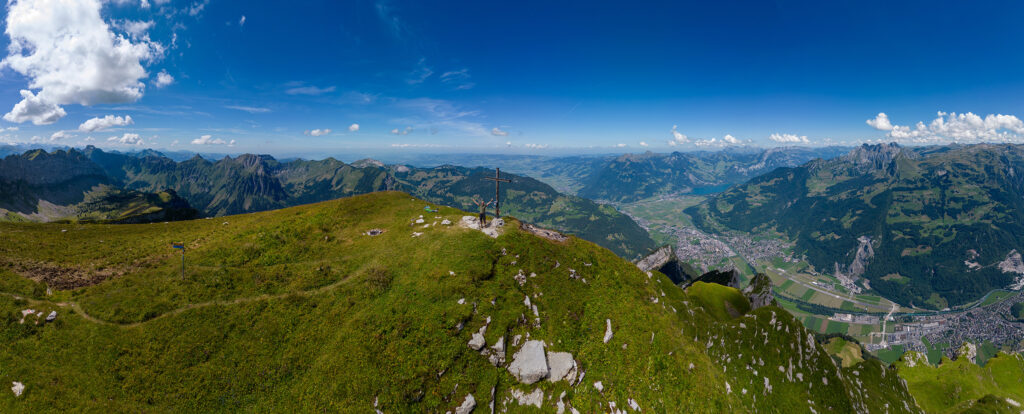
x: 483, y: 210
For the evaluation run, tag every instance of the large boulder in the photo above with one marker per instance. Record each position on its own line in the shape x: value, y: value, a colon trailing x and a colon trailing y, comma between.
x: 562, y: 366
x: 530, y: 363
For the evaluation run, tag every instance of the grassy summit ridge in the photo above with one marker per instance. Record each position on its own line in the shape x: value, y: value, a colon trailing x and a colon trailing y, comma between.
x: 298, y: 310
x: 250, y: 183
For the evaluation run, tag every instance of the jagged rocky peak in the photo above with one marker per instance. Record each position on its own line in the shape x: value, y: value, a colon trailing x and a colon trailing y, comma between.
x: 256, y: 163
x: 876, y: 155
x: 38, y: 167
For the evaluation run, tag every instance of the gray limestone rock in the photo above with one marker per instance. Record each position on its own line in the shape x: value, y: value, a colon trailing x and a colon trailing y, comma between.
x: 467, y: 406
x: 562, y: 366
x: 529, y: 364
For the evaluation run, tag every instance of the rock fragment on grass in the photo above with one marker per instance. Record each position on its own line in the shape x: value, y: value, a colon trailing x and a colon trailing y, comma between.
x: 608, y: 331
x: 535, y: 398
x: 467, y: 406
x: 478, y: 341
x: 17, y: 388
x: 529, y: 364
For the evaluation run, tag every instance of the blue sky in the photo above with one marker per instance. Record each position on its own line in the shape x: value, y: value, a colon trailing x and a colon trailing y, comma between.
x: 530, y: 77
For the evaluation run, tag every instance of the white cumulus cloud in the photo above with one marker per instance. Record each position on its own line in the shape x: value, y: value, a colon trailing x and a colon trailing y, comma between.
x: 35, y: 109
x: 405, y: 131
x: 210, y: 140
x: 353, y: 128
x: 241, y: 22
x: 99, y: 124
x: 643, y: 144
x: 536, y: 146
x: 60, y: 135
x: 789, y: 138
x: 678, y: 138
x: 960, y: 128
x: 163, y: 79
x: 70, y: 55
x: 881, y: 122
x: 498, y: 132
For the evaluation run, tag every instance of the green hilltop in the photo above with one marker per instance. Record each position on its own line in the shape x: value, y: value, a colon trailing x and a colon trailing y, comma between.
x: 370, y: 303
x: 932, y: 227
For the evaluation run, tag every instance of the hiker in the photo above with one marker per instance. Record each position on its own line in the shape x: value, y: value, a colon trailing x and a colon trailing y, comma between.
x: 483, y: 210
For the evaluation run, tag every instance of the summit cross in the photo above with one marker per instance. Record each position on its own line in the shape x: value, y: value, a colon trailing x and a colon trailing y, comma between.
x: 497, y: 198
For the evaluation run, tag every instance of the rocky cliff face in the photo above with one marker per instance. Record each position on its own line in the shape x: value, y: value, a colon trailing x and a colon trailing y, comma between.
x: 877, y: 156
x: 759, y: 292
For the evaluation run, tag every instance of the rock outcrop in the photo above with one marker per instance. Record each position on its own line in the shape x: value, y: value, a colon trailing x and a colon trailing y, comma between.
x: 759, y: 292
x: 545, y: 233
x: 656, y: 260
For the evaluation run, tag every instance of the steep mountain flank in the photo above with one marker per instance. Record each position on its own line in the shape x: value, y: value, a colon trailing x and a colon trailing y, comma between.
x: 924, y: 226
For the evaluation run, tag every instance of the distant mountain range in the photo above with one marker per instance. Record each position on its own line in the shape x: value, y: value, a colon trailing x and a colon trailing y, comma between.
x: 40, y: 186
x: 927, y: 226
x: 631, y: 177
x: 250, y: 183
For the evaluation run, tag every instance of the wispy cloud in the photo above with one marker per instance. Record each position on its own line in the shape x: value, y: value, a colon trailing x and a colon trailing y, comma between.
x: 420, y: 73
x: 498, y: 132
x: 442, y: 115
x: 249, y: 109
x: 309, y: 90
x: 318, y: 132
x: 460, y: 79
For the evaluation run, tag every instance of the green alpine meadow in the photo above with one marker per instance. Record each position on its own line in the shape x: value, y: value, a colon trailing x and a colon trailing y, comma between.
x: 372, y: 302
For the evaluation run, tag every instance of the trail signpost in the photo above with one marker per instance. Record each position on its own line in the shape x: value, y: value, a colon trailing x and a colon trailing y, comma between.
x: 182, y: 247
x: 497, y: 197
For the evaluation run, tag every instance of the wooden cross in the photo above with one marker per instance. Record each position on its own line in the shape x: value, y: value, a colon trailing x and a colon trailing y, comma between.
x: 497, y: 182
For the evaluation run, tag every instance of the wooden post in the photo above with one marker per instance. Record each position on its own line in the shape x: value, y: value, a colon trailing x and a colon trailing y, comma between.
x: 182, y: 247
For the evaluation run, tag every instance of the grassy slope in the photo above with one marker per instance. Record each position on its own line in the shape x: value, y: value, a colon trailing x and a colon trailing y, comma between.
x: 956, y: 385
x: 296, y: 310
